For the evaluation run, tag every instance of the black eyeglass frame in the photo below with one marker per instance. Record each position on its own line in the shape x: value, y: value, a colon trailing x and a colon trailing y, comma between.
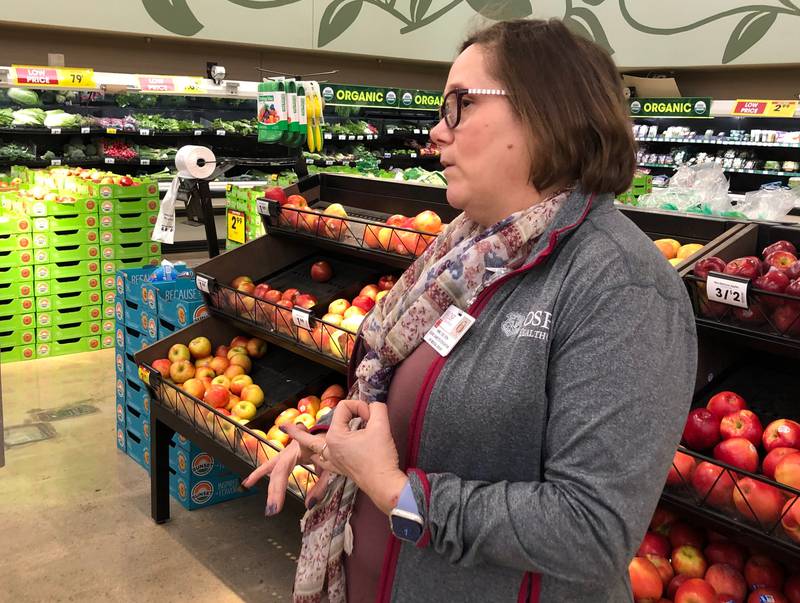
x: 460, y: 94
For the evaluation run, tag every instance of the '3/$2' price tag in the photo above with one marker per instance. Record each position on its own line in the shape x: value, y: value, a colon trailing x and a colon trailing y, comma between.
x: 727, y: 289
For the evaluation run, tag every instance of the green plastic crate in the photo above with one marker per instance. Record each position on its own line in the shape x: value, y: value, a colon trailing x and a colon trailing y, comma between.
x: 70, y: 331
x: 15, y: 223
x: 11, y: 322
x: 11, y: 242
x: 69, y: 346
x: 108, y: 311
x: 128, y: 206
x: 126, y: 236
x: 140, y: 219
x: 111, y: 266
x: 66, y: 223
x: 17, y: 353
x: 148, y: 188
x: 68, y: 316
x: 67, y: 253
x: 17, y: 258
x: 16, y: 289
x: 107, y: 341
x: 67, y: 269
x: 16, y: 274
x: 67, y: 301
x: 45, y: 240
x: 69, y: 284
x: 24, y: 305
x: 14, y: 338
x: 109, y: 282
x: 51, y: 208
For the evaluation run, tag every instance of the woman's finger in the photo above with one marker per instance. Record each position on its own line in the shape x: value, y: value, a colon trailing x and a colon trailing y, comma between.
x: 261, y: 471
x: 320, y: 488
x: 324, y: 464
x: 300, y: 435
x: 279, y: 479
x: 346, y: 411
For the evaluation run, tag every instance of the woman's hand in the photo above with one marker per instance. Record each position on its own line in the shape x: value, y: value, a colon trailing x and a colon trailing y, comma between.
x: 368, y: 456
x: 280, y: 467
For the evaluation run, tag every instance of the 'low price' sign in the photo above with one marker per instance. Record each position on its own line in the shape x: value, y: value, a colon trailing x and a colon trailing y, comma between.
x: 764, y: 108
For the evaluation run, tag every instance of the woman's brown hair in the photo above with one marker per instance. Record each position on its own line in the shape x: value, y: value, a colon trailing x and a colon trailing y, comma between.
x: 568, y: 94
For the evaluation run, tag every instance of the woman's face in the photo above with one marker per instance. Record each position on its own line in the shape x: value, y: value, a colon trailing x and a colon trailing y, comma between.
x: 486, y: 156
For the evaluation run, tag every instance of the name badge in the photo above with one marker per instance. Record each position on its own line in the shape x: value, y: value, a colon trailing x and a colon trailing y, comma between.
x: 448, y: 330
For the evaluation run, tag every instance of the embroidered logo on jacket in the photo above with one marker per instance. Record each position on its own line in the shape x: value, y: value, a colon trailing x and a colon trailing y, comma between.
x: 535, y: 324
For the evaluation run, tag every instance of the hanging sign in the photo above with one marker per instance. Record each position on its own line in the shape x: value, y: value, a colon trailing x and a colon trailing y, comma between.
x: 156, y: 83
x: 670, y: 107
x: 368, y: 96
x: 236, y: 226
x: 53, y: 77
x: 764, y: 108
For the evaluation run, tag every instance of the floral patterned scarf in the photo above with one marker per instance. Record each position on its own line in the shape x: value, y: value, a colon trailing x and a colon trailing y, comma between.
x: 456, y: 267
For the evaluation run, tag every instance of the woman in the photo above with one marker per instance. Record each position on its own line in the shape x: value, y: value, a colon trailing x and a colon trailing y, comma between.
x: 523, y: 461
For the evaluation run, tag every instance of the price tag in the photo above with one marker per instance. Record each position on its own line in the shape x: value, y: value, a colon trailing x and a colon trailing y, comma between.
x: 111, y: 130
x: 727, y: 289
x: 329, y: 162
x: 328, y: 136
x: 387, y: 155
x: 55, y: 130
x: 190, y: 85
x: 424, y: 130
x: 309, y: 160
x: 236, y: 226
x: 351, y: 137
x: 144, y: 132
x: 262, y: 206
x: 359, y: 137
x: 448, y: 330
x: 417, y: 131
x: 342, y: 137
x: 300, y: 318
x: 144, y: 161
x: 221, y: 132
x: 156, y: 83
x: 85, y: 130
x: 198, y: 132
x: 55, y: 162
x: 61, y: 77
x: 412, y: 155
x: 390, y: 130
x: 109, y: 160
x: 202, y: 283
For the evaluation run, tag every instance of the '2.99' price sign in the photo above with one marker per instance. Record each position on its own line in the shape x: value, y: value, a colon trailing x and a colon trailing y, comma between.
x: 727, y: 289
x: 236, y: 226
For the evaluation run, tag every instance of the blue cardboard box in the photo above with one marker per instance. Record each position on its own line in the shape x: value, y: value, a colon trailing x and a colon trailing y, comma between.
x: 137, y: 396
x: 137, y: 448
x: 132, y: 340
x: 180, y: 302
x: 130, y: 281
x: 130, y: 311
x: 193, y: 463
x: 138, y: 424
x: 199, y: 493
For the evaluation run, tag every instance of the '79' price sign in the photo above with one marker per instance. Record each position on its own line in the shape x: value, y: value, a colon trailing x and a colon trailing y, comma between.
x: 727, y: 289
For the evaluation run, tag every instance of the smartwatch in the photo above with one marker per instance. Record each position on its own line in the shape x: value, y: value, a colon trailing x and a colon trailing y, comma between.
x: 405, y: 521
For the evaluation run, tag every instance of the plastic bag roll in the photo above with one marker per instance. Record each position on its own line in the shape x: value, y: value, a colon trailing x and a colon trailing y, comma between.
x: 194, y: 161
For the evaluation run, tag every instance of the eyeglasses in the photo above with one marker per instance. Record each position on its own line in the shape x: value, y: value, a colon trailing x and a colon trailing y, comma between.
x: 450, y: 111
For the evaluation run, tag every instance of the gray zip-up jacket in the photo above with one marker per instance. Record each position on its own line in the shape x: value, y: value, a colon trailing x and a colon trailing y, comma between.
x: 540, y: 445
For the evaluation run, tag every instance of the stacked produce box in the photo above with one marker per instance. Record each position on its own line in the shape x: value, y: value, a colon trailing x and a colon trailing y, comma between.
x: 244, y: 223
x: 17, y: 306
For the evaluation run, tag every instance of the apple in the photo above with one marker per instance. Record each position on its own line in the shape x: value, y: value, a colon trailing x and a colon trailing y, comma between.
x: 737, y: 452
x: 222, y: 351
x: 701, y: 430
x: 792, y: 588
x: 664, y: 568
x: 352, y: 323
x: 321, y: 272
x: 779, y: 246
x: 287, y: 416
x: 742, y: 424
x: 234, y: 370
x: 298, y: 200
x: 428, y: 221
x: 276, y: 193
x: 181, y: 371
x: 786, y: 319
x: 695, y: 590
x: 308, y: 404
x: 290, y: 295
x: 276, y: 434
x: 162, y: 366
x: 239, y: 280
x: 242, y: 360
x: 380, y: 296
x: 746, y: 267
x: 662, y: 521
x: 354, y: 311
x: 713, y: 483
x: 793, y: 290
x: 774, y: 281
x: 758, y: 501
x: 762, y: 572
x: 306, y: 419
x: 305, y: 300
x: 724, y: 403
x: 706, y: 265
x: 772, y: 459
x: 645, y: 579
x: 338, y: 306
x: 387, y: 282
x: 222, y: 380
x: 370, y: 291
x: 301, y: 479
x: 726, y: 552
x: 283, y: 318
x: 333, y: 228
x: 681, y: 470
x: 687, y: 559
x: 201, y: 362
x: 385, y: 236
x: 251, y: 442
x: 793, y: 271
x: 178, y: 352
x: 787, y: 471
x: 205, y: 372
x: 194, y: 387
x: 681, y: 534
x: 767, y: 595
x: 200, y: 347
x: 323, y: 410
x: 654, y: 544
x: 240, y: 341
x: 273, y: 296
x: 261, y: 290
x: 245, y: 410
x: 333, y: 391
x: 238, y: 349
x: 256, y: 347
x: 219, y: 364
x: 364, y: 302
x: 396, y: 220
x: 780, y: 259
x: 332, y: 319
x: 253, y: 393
x: 308, y: 219
x: 783, y: 433
x: 217, y: 396
x: 239, y: 382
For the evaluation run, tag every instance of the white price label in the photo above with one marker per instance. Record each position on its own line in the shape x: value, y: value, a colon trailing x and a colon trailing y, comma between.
x: 390, y: 130
x: 329, y: 162
x: 448, y: 330
x: 198, y: 132
x: 220, y: 132
x: 351, y: 137
x: 412, y: 155
x: 202, y: 283
x: 342, y: 137
x: 85, y: 130
x: 109, y: 160
x: 727, y: 289
x: 328, y: 136
x: 387, y: 155
x: 417, y: 131
x: 424, y: 130
x: 309, y: 160
x: 55, y: 130
x: 262, y: 206
x: 359, y: 137
x: 55, y: 162
x: 145, y: 162
x: 300, y: 319
x: 144, y: 132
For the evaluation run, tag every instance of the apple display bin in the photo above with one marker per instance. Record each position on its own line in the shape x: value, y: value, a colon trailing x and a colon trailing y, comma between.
x: 283, y: 376
x: 769, y: 321
x: 287, y: 263
x: 368, y: 204
x: 767, y: 383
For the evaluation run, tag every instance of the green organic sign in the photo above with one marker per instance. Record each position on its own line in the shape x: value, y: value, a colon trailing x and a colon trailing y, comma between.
x: 670, y: 107
x: 367, y: 96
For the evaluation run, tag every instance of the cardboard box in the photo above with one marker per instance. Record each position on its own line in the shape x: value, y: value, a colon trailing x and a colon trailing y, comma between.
x: 13, y: 322
x: 143, y: 248
x: 24, y: 305
x: 130, y: 280
x: 147, y: 188
x: 107, y: 341
x: 68, y: 346
x: 67, y: 269
x: 193, y: 463
x: 132, y: 339
x: 108, y: 312
x: 129, y: 206
x: 46, y: 240
x: 15, y: 259
x: 65, y: 332
x: 121, y: 432
x: 128, y: 235
x: 138, y: 423
x: 137, y: 395
x: 68, y: 301
x: 66, y: 223
x: 51, y: 208
x: 109, y: 283
x: 17, y: 353
x: 15, y: 223
x: 16, y: 274
x: 67, y: 253
x: 11, y: 242
x: 137, y: 447
x: 12, y: 290
x: 72, y: 284
x: 68, y: 316
x: 206, y: 492
x: 18, y: 337
x: 130, y: 313
x: 112, y: 266
x: 142, y: 219
x: 179, y: 303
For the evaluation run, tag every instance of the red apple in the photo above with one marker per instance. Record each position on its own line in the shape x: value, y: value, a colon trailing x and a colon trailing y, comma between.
x: 726, y: 552
x: 701, y: 430
x: 793, y: 290
x: 427, y: 221
x: 779, y: 246
x: 742, y: 424
x: 222, y: 351
x: 774, y: 281
x: 772, y: 459
x: 386, y: 282
x: 654, y: 544
x: 681, y: 470
x: 675, y: 584
x: 276, y: 193
x: 724, y: 403
x: 780, y: 259
x: 239, y: 341
x: 181, y: 371
x: 706, y: 265
x: 363, y: 302
x: 256, y: 347
x: 757, y: 501
x: 194, y: 387
x: 645, y: 580
x: 787, y: 319
x: 767, y: 595
x: 273, y: 296
x: 218, y: 364
x: 793, y: 271
x: 239, y: 280
x: 321, y: 272
x: 664, y: 568
x: 217, y: 396
x: 746, y: 267
x: 298, y: 200
x: 737, y: 452
x: 290, y: 295
x: 178, y: 352
x: 305, y: 300
x: 261, y: 290
x: 162, y: 366
x: 792, y: 588
x: 662, y: 521
x: 370, y: 291
x: 726, y: 580
x: 689, y: 560
x: 681, y: 534
x: 752, y: 315
x: 200, y: 347
x: 790, y: 519
x: 762, y: 572
x: 787, y: 471
x: 713, y: 483
x: 783, y: 433
x: 695, y: 590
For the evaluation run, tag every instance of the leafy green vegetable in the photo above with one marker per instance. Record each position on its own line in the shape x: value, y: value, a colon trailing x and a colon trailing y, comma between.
x: 28, y: 117
x: 23, y: 96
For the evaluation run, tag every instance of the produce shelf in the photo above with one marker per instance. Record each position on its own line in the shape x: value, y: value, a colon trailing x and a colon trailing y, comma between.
x: 719, y: 141
x: 123, y: 132
x: 727, y: 170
